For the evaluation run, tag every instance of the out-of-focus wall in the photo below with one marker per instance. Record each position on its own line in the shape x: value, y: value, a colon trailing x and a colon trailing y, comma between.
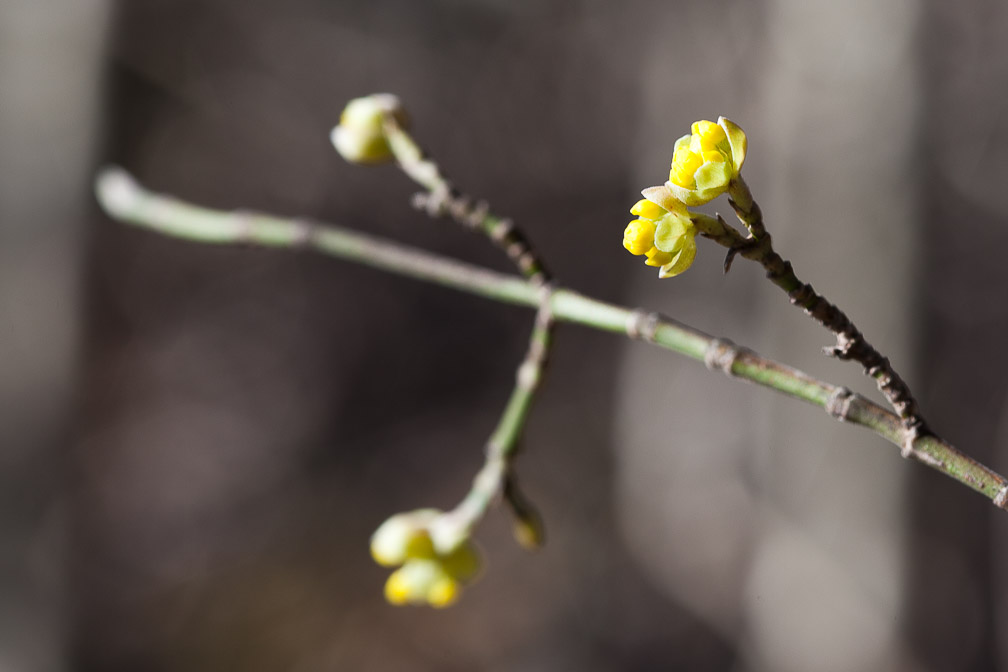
x: 957, y: 608
x: 50, y: 76
x: 245, y: 418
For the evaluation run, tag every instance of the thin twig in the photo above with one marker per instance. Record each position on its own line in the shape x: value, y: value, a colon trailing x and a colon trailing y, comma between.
x: 851, y: 343
x: 497, y: 477
x: 441, y: 197
x: 127, y: 201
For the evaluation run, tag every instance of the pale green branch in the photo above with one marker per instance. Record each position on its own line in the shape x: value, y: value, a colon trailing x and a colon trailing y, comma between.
x: 127, y: 201
x: 440, y: 197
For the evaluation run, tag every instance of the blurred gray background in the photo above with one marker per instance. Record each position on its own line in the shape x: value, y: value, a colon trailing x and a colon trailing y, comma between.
x: 197, y: 442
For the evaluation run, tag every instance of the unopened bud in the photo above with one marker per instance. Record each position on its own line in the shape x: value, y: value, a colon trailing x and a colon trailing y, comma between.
x: 360, y: 136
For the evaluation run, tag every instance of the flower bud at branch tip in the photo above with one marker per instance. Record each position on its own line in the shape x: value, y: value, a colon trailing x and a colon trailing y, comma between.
x: 705, y: 164
x: 360, y: 135
x: 529, y: 532
x: 664, y: 233
x: 403, y: 536
x: 706, y: 161
x: 429, y: 573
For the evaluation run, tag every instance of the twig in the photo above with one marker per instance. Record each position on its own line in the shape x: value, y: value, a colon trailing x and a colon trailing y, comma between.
x: 851, y: 343
x: 497, y: 475
x: 440, y: 198
x: 127, y: 201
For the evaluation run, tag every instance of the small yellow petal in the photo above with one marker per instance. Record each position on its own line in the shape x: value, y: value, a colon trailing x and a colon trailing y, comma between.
x: 397, y: 589
x: 647, y: 209
x: 443, y: 593
x: 656, y: 257
x: 681, y: 142
x: 684, y: 164
x: 695, y: 145
x: 638, y: 237
x: 710, y: 134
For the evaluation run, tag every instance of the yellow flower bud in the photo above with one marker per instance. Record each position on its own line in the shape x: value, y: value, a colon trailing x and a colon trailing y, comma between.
x: 638, y: 237
x: 397, y: 588
x: 403, y: 536
x: 706, y: 161
x: 422, y: 581
x: 710, y: 134
x: 684, y: 164
x: 663, y: 233
x: 443, y: 593
x: 426, y: 575
x: 412, y: 582
x: 656, y: 257
x: 647, y: 209
x: 359, y: 137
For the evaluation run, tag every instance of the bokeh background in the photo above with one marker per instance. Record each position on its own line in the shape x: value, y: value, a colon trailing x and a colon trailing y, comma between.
x: 196, y: 442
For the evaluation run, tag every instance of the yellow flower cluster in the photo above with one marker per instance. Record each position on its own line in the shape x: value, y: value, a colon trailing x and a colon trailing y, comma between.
x: 667, y: 238
x: 704, y: 164
x: 425, y: 575
x: 706, y: 161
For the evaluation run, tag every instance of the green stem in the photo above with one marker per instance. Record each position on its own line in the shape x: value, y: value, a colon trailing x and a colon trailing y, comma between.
x: 498, y: 474
x: 127, y: 201
x: 443, y: 198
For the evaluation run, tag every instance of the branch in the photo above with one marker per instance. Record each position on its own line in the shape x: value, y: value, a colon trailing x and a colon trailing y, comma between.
x: 442, y: 198
x: 125, y: 200
x: 851, y: 343
x: 497, y: 476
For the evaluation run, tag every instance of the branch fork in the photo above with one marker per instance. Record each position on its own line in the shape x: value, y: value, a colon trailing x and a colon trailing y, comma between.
x: 441, y: 198
x: 850, y: 342
x: 376, y: 131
